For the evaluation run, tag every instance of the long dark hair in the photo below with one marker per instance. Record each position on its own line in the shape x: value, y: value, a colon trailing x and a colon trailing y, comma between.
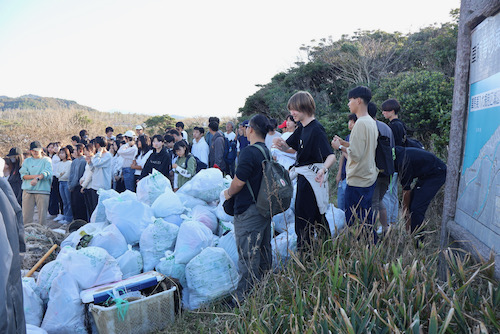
x: 15, y: 165
x: 145, y: 145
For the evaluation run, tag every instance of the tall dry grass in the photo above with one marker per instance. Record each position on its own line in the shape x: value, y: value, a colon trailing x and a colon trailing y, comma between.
x: 20, y: 127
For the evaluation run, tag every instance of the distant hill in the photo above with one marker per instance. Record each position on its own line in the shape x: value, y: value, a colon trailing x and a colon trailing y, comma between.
x: 38, y: 102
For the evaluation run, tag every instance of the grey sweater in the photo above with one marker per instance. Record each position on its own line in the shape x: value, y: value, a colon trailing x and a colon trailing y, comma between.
x: 76, y: 172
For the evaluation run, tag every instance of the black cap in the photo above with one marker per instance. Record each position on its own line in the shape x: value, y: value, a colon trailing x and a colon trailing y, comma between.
x: 14, y: 151
x: 36, y: 146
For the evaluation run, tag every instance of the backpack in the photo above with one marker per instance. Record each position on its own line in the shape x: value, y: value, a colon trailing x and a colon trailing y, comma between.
x: 276, y: 189
x: 384, y: 157
x: 199, y: 164
x: 412, y: 142
x: 229, y: 151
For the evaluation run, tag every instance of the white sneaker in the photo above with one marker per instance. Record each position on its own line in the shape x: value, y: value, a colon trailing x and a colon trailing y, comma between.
x: 59, y: 217
x: 63, y: 222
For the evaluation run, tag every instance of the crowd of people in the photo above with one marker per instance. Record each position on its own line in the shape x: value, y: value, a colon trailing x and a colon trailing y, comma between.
x: 63, y: 181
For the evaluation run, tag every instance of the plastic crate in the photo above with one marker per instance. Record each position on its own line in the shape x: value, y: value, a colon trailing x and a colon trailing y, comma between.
x: 146, y: 315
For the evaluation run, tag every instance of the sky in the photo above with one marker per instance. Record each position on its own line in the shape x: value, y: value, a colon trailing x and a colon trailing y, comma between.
x: 186, y: 58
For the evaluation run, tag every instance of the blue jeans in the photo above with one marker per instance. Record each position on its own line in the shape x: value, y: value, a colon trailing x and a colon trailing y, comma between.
x: 341, y: 194
x: 391, y: 201
x: 129, y: 178
x: 358, y: 203
x: 66, y: 199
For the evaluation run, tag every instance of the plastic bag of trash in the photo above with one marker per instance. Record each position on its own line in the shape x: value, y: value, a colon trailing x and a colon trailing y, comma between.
x: 111, y: 239
x: 47, y: 274
x: 168, y: 267
x: 152, y: 186
x: 335, y: 218
x: 228, y: 243
x: 130, y: 262
x: 204, y: 215
x: 99, y: 214
x: 90, y: 266
x: 205, y: 185
x: 219, y: 211
x: 210, y: 275
x: 192, y: 238
x: 130, y: 216
x: 282, y: 221
x: 74, y: 237
x: 65, y: 311
x: 156, y: 239
x: 31, y: 329
x: 32, y: 303
x: 189, y: 201
x: 225, y: 227
x: 174, y: 219
x: 281, y: 245
x: 167, y: 204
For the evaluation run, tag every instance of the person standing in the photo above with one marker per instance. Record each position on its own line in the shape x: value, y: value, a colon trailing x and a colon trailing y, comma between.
x: 341, y: 174
x: 62, y: 173
x: 86, y: 180
x: 208, y: 137
x: 36, y: 173
x: 160, y: 159
x: 55, y: 201
x: 314, y: 158
x: 361, y: 171
x: 252, y: 230
x: 230, y: 159
x: 16, y: 159
x: 128, y: 151
x: 216, y: 154
x: 385, y: 166
x: 272, y: 133
x: 75, y: 174
x: 144, y: 150
x: 180, y: 127
x: 100, y: 165
x: 200, y: 147
x: 185, y: 166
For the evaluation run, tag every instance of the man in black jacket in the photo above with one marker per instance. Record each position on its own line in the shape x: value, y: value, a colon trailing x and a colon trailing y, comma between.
x: 216, y: 153
x: 159, y: 159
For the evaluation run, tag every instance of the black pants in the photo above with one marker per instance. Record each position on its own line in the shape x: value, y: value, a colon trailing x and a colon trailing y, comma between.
x: 307, y: 217
x: 55, y: 200
x: 78, y: 204
x: 91, y: 199
x: 422, y: 194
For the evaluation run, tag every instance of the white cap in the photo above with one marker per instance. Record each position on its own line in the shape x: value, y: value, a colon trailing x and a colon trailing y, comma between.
x: 129, y: 134
x: 138, y: 127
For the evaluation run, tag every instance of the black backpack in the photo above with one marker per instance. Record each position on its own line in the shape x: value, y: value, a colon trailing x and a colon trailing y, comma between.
x: 199, y: 164
x: 229, y: 151
x: 412, y: 142
x: 276, y: 189
x: 384, y: 156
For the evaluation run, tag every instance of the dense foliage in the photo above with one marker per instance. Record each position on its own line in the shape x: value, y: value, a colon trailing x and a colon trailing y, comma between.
x: 417, y: 69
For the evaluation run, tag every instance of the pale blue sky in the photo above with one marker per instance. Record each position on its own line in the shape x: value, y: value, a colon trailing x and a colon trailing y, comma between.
x: 190, y: 58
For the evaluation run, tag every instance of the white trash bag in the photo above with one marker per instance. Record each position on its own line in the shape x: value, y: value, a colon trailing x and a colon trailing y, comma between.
x: 219, y: 211
x: 111, y: 239
x: 205, y: 185
x: 151, y: 187
x: 156, y: 239
x: 169, y: 268
x: 282, y: 244
x: 99, y: 214
x: 192, y: 238
x: 32, y: 329
x: 130, y: 263
x: 228, y: 243
x: 282, y: 221
x: 210, y: 275
x: 47, y: 274
x: 167, y: 204
x: 90, y: 228
x: 130, y: 216
x: 174, y: 219
x: 90, y: 266
x: 189, y: 201
x: 33, y: 305
x: 224, y: 227
x: 204, y: 215
x: 335, y: 218
x: 65, y: 311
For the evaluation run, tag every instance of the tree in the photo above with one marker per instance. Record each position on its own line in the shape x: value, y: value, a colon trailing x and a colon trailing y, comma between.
x: 158, y: 124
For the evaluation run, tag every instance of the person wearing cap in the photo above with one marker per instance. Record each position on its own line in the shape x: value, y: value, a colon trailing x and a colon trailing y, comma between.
x: 139, y: 130
x: 284, y: 158
x: 288, y: 126
x: 15, y: 160
x: 128, y: 151
x: 36, y: 173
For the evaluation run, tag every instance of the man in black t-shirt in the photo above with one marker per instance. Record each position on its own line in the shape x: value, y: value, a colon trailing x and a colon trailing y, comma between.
x: 314, y: 158
x: 430, y: 172
x: 252, y: 230
x: 390, y: 110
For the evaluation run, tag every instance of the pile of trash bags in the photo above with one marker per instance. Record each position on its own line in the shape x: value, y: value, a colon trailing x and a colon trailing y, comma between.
x: 185, y: 235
